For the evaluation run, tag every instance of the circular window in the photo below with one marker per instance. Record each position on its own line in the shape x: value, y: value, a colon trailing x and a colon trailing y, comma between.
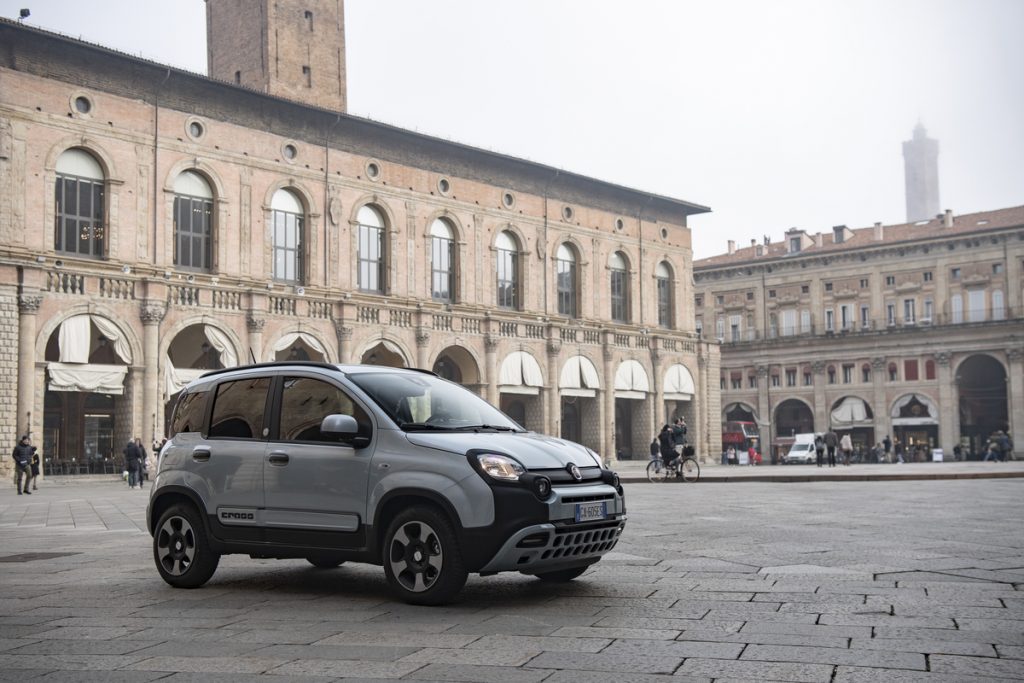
x: 289, y: 152
x: 372, y: 170
x: 195, y: 129
x: 444, y: 186
x: 508, y: 200
x: 620, y: 224
x: 83, y: 105
x: 567, y: 213
x: 664, y: 234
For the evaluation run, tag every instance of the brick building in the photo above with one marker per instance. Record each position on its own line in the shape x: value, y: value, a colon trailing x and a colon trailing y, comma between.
x: 915, y: 331
x: 155, y: 223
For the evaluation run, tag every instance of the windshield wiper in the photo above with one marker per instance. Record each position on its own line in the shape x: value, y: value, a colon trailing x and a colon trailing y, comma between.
x: 497, y: 428
x: 424, y: 427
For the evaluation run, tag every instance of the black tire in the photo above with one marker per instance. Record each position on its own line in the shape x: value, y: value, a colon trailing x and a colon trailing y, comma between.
x: 656, y: 471
x: 690, y: 470
x: 181, y: 548
x: 562, y: 575
x: 325, y: 561
x: 422, y: 558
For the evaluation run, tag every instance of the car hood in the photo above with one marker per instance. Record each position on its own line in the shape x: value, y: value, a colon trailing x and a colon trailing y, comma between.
x: 534, y: 451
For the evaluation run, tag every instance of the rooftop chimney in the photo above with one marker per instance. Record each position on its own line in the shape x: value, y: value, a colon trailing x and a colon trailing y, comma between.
x: 819, y: 240
x: 947, y: 219
x: 732, y: 246
x: 879, y: 232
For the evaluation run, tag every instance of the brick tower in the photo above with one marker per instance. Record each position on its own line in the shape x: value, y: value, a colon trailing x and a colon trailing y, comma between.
x: 288, y: 48
x: 921, y: 168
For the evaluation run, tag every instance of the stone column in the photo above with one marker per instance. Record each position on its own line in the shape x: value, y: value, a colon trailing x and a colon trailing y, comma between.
x: 883, y: 424
x: 491, y: 368
x: 821, y: 409
x: 552, y: 406
x: 1015, y: 358
x: 657, y: 412
x: 704, y: 415
x: 151, y: 313
x: 344, y: 335
x: 949, y: 409
x: 764, y: 412
x: 255, y: 326
x: 422, y: 348
x: 608, y: 402
x: 28, y: 308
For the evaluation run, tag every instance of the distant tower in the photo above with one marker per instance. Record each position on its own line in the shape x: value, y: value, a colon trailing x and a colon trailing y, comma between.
x: 289, y: 48
x: 921, y: 167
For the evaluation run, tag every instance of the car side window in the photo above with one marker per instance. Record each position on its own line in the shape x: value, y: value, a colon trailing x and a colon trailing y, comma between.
x: 305, y: 402
x: 189, y: 413
x: 238, y: 409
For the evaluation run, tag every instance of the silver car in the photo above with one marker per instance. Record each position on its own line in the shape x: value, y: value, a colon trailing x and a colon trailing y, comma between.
x: 371, y: 464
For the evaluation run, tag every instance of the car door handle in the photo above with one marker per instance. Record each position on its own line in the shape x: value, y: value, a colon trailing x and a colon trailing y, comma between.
x: 201, y: 454
x: 279, y: 459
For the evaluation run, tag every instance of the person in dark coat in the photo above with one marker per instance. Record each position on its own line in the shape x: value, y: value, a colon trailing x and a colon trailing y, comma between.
x: 831, y: 443
x: 666, y: 445
x: 131, y: 463
x: 22, y: 455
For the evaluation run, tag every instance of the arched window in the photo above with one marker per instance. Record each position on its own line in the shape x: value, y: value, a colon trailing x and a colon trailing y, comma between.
x: 619, y: 286
x: 193, y: 221
x: 507, y: 267
x: 565, y: 270
x: 442, y: 261
x: 663, y: 279
x: 371, y: 250
x: 287, y: 224
x: 79, y: 225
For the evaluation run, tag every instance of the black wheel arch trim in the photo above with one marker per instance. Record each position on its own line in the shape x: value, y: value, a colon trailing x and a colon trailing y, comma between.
x: 375, y: 531
x: 177, y: 490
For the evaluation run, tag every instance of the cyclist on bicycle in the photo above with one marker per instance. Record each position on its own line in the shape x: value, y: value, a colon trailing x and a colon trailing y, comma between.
x: 667, y: 446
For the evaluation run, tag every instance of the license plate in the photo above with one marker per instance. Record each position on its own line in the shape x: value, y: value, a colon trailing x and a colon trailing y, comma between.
x: 588, y: 512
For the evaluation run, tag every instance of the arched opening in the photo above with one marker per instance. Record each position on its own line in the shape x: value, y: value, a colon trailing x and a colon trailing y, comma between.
x: 678, y: 390
x: 578, y: 384
x: 792, y: 417
x: 457, y: 364
x: 519, y: 383
x: 853, y: 415
x: 299, y: 346
x: 87, y: 361
x: 984, y: 407
x: 384, y: 353
x: 195, y: 350
x: 80, y: 205
x: 288, y: 236
x: 632, y: 411
x: 193, y: 222
x: 915, y: 427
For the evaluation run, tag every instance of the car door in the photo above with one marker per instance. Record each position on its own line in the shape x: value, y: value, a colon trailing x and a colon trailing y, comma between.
x: 230, y: 459
x: 315, y: 483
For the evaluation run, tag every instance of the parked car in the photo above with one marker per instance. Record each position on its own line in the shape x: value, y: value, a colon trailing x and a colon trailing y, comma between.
x: 393, y: 467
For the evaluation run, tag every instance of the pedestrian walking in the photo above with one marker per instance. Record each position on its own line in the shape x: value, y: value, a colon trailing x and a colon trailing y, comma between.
x: 831, y: 443
x: 131, y: 463
x: 887, y: 445
x: 143, y: 461
x: 22, y: 455
x: 35, y: 469
x: 846, y: 445
x: 655, y: 451
x: 819, y: 447
x: 898, y: 446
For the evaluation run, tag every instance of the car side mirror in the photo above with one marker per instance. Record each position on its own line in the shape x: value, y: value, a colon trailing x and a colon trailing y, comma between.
x: 341, y: 425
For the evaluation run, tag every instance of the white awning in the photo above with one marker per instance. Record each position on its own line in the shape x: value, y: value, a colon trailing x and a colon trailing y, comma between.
x: 222, y: 344
x: 74, y: 338
x: 309, y: 340
x: 90, y: 378
x: 176, y: 379
x: 678, y: 384
x: 520, y: 374
x: 929, y: 417
x: 631, y: 380
x: 579, y: 373
x: 852, y: 412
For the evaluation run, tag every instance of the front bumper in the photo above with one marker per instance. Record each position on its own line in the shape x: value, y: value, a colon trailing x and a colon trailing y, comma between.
x: 553, y: 539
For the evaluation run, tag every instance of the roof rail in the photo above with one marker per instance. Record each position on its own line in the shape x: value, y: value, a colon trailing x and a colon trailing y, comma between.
x: 272, y: 364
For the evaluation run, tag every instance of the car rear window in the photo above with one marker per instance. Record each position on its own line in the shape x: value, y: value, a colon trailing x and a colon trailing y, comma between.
x: 238, y: 409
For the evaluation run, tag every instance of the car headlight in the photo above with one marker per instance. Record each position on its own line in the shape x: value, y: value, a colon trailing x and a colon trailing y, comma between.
x: 500, y: 467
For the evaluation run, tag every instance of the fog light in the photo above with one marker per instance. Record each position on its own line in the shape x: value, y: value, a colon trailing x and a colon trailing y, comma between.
x: 542, y: 487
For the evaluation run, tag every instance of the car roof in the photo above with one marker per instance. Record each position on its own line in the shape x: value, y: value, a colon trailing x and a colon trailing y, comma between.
x: 347, y: 369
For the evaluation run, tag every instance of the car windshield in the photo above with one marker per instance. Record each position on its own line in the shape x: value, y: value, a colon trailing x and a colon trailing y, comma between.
x: 425, y: 402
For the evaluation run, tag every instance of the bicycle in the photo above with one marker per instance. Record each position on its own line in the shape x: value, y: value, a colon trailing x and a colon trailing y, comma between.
x: 684, y: 467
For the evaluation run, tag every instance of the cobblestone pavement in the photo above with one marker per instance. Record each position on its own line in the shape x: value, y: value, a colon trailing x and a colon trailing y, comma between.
x: 823, y: 581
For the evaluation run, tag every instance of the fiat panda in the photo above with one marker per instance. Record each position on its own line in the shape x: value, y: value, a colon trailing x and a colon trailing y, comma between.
x: 359, y: 463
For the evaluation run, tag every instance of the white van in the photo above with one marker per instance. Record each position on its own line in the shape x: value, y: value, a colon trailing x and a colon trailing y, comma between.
x: 802, y: 451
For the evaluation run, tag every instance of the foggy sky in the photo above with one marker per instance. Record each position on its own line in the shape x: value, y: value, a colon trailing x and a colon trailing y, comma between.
x: 774, y: 114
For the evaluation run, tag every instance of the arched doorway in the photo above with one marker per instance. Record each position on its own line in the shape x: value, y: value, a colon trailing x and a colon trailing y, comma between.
x: 456, y: 364
x: 792, y: 417
x: 578, y: 385
x: 299, y: 346
x: 519, y: 384
x: 853, y: 415
x: 193, y: 351
x: 632, y: 411
x: 384, y: 353
x: 981, y: 382
x: 915, y: 426
x: 87, y: 359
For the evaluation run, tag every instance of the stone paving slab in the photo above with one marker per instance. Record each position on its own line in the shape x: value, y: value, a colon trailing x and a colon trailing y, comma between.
x: 810, y: 597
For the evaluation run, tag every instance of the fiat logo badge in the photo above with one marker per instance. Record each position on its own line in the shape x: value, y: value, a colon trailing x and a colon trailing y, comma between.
x: 574, y: 471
